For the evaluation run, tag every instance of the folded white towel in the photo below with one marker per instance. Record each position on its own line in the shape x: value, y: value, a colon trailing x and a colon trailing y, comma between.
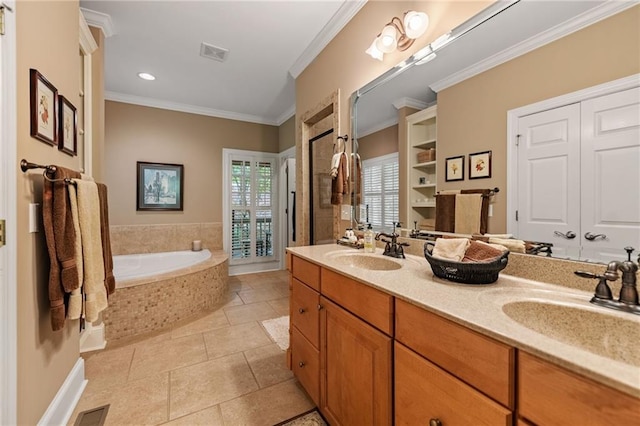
x: 514, y: 246
x: 75, y: 300
x: 450, y: 248
x: 498, y: 235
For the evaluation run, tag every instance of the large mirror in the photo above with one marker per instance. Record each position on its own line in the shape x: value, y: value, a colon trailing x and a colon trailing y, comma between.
x: 475, y: 81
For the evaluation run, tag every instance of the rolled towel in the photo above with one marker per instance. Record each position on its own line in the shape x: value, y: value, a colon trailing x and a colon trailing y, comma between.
x: 515, y: 246
x: 479, y: 251
x: 450, y: 248
x: 498, y: 235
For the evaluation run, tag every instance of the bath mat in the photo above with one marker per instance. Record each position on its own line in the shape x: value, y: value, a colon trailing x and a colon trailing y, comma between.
x: 310, y: 418
x: 278, y: 329
x: 94, y: 417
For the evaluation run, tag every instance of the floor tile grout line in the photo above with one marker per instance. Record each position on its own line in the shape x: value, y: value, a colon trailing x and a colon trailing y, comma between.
x: 251, y: 369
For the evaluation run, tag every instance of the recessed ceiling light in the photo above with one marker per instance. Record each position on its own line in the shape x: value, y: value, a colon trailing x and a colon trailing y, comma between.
x: 146, y: 76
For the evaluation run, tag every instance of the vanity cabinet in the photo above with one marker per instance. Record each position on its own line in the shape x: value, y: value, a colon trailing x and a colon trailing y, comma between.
x: 434, y: 378
x: 421, y: 166
x: 304, y: 332
x: 551, y: 395
x: 341, y: 345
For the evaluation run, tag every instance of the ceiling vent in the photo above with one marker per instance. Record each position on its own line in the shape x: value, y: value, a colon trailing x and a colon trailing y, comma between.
x: 213, y: 52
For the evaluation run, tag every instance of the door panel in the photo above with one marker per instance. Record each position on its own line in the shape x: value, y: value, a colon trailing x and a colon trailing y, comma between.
x: 549, y: 177
x: 610, y: 153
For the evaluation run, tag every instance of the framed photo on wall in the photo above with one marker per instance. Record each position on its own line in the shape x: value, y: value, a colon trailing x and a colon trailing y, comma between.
x: 44, y: 108
x: 480, y: 165
x: 160, y: 186
x: 454, y: 168
x: 68, y: 127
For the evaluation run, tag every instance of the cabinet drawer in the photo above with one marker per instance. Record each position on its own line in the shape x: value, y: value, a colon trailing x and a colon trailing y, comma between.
x: 551, y: 395
x: 482, y: 362
x: 370, y: 304
x: 304, y: 311
x: 306, y: 364
x: 305, y: 271
x: 424, y: 391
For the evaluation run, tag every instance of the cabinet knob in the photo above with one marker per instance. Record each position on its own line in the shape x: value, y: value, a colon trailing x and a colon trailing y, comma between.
x: 301, y: 364
x: 435, y: 422
x: 302, y: 310
x: 319, y: 307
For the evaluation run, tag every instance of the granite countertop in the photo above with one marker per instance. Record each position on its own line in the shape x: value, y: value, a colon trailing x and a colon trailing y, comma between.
x: 480, y: 307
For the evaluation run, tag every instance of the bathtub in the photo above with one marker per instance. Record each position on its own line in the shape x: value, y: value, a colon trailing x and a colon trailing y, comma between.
x: 156, y: 291
x: 132, y: 266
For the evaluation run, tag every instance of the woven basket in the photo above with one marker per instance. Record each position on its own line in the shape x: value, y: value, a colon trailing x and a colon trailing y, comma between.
x: 465, y: 272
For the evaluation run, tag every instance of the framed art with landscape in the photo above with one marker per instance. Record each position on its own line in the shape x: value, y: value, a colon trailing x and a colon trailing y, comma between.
x: 160, y: 186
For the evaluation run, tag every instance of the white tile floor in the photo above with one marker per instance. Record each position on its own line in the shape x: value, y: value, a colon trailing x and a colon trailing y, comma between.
x: 219, y: 369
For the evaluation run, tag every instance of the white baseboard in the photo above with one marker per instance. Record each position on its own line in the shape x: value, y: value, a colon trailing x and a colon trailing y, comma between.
x: 65, y: 401
x: 92, y: 338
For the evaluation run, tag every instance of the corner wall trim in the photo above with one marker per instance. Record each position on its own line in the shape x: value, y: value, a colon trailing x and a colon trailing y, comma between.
x: 65, y: 401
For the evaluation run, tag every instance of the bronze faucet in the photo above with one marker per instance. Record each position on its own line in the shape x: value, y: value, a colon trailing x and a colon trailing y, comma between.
x: 628, y: 299
x: 392, y: 248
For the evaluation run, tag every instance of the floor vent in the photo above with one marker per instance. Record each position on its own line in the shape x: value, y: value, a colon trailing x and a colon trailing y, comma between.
x: 93, y: 417
x: 213, y: 52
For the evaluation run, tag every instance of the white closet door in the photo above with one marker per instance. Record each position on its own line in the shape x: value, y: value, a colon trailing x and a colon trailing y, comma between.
x: 549, y: 178
x: 611, y: 175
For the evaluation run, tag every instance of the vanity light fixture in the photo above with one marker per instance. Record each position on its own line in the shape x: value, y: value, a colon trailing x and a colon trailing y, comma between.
x: 399, y: 34
x: 146, y: 76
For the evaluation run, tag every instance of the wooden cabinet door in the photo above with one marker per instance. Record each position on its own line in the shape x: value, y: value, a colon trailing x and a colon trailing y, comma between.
x: 426, y: 393
x: 304, y: 311
x: 355, y: 369
x: 305, y: 363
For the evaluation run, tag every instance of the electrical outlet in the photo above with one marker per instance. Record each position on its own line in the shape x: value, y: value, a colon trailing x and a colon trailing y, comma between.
x: 345, y: 212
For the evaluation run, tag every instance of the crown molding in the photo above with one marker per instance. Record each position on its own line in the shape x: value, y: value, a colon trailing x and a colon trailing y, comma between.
x: 409, y: 102
x: 191, y: 109
x: 290, y: 112
x: 579, y: 22
x: 339, y: 19
x: 379, y: 126
x: 87, y: 42
x: 99, y: 20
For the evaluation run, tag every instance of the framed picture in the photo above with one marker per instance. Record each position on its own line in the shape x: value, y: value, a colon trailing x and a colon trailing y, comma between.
x: 454, y: 169
x: 160, y: 186
x: 480, y: 165
x: 68, y: 128
x: 44, y: 108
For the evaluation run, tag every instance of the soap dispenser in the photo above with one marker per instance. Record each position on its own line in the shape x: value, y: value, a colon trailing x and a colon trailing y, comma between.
x: 369, y: 243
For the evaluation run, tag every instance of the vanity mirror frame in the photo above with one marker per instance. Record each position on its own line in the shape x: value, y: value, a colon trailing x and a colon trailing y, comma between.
x: 574, y: 23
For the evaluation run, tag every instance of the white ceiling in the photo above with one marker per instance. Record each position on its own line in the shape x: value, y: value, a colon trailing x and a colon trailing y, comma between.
x: 269, y: 43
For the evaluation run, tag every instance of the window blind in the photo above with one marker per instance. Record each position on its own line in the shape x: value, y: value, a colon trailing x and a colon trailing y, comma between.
x: 380, y: 183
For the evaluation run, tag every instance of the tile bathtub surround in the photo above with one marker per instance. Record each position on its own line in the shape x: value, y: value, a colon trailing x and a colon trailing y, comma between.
x: 134, y: 239
x: 161, y: 303
x: 206, y: 371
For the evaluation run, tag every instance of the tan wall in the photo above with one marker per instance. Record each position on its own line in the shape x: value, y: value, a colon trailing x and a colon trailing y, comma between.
x: 605, y: 51
x: 287, y: 134
x: 344, y: 65
x: 136, y: 133
x: 97, y: 93
x: 379, y: 143
x: 47, y: 40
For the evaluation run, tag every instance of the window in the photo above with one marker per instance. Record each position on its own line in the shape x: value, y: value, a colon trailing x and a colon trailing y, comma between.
x: 380, y: 189
x: 252, y: 207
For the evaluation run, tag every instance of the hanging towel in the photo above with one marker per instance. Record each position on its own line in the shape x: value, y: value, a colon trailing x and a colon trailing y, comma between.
x: 450, y: 248
x: 484, y: 215
x: 75, y: 300
x: 340, y: 184
x: 89, y: 215
x: 467, y: 213
x: 60, y: 237
x: 445, y: 212
x: 335, y: 164
x: 109, y: 280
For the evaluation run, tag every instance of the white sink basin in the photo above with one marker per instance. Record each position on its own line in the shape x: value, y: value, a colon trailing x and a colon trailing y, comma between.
x: 368, y: 261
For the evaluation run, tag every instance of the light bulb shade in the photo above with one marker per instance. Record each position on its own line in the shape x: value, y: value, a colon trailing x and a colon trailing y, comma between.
x: 386, y: 41
x: 373, y: 51
x: 415, y: 23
